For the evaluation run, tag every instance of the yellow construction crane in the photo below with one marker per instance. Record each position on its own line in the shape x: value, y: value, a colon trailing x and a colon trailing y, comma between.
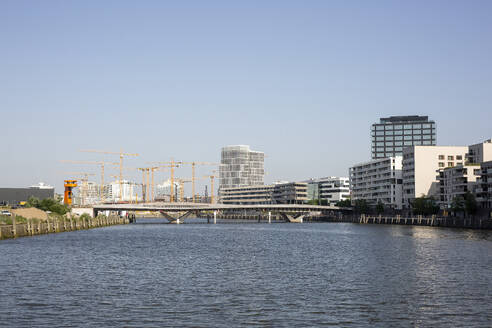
x: 121, y: 154
x: 212, y: 177
x: 172, y: 165
x: 193, y: 165
x: 181, y: 183
x: 101, y: 189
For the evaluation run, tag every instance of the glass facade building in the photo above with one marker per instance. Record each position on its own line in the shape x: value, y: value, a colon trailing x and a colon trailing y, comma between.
x: 241, y: 167
x: 394, y: 133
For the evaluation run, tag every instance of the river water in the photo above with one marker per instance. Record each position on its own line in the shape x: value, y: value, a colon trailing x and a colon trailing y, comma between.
x: 151, y: 274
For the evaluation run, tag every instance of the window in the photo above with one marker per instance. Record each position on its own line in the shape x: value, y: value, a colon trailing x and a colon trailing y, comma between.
x: 407, y: 132
x: 389, y: 143
x: 407, y: 143
x: 380, y: 149
x: 417, y: 142
x: 417, y: 126
x: 426, y: 143
x: 450, y: 158
x: 398, y: 143
x: 398, y: 149
x: 407, y: 126
x: 389, y: 149
x: 398, y: 138
x: 379, y: 143
x: 380, y: 138
x: 459, y: 157
x: 426, y: 137
x: 426, y: 126
x: 407, y: 138
x: 398, y: 127
x: 380, y: 133
x: 450, y: 164
x: 379, y: 127
x: 441, y: 157
x: 389, y: 127
x: 441, y: 164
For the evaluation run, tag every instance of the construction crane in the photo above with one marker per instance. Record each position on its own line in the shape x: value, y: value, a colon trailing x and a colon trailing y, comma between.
x: 193, y: 165
x: 121, y: 154
x: 84, y: 187
x: 131, y: 191
x: 181, y: 183
x: 172, y: 165
x: 212, y: 177
x: 101, y: 189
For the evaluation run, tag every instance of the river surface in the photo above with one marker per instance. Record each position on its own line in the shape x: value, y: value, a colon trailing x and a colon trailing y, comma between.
x: 151, y: 274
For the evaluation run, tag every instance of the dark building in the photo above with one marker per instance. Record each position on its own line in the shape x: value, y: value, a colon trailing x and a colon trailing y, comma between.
x: 394, y: 133
x: 13, y: 196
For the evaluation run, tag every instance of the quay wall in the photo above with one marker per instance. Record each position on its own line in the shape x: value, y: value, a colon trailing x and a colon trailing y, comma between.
x: 54, y: 225
x: 451, y: 222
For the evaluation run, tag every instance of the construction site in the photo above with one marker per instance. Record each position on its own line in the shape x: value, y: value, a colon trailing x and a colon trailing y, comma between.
x: 110, y: 181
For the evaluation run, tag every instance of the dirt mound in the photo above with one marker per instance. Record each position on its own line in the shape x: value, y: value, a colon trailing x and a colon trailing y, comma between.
x: 31, y: 213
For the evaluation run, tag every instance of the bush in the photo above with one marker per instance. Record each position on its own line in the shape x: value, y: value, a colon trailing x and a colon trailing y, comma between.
x: 47, y: 204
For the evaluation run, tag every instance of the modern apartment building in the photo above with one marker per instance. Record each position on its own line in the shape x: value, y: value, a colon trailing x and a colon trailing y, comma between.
x: 420, y: 164
x: 392, y: 134
x: 331, y: 189
x: 379, y: 180
x: 484, y: 185
x: 284, y: 193
x: 241, y: 167
x: 456, y: 181
x: 481, y: 152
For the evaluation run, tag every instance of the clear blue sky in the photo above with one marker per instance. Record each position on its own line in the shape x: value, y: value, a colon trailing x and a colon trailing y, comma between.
x: 300, y: 80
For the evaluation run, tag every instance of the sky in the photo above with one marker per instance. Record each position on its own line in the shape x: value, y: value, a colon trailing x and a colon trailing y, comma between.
x: 301, y: 81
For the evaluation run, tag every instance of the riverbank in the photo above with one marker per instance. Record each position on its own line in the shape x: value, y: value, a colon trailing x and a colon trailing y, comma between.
x: 32, y: 227
x: 449, y: 222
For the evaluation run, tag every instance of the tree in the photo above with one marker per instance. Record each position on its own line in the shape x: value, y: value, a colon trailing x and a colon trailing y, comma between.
x: 458, y: 204
x: 424, y: 206
x: 470, y: 203
x: 344, y: 203
x: 313, y: 202
x: 380, y: 207
x: 323, y: 202
x: 361, y: 206
x: 47, y: 204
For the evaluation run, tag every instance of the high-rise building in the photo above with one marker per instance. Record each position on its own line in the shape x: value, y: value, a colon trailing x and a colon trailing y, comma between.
x: 394, y: 133
x: 241, y: 167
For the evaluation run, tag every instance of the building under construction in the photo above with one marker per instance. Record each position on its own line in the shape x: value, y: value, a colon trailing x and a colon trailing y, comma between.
x: 241, y: 167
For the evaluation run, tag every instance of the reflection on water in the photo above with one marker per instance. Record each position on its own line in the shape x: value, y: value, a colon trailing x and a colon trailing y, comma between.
x: 277, y: 275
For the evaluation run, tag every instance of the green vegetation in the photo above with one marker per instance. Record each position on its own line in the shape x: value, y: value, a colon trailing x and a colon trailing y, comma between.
x: 467, y: 205
x: 425, y: 206
x: 380, y: 207
x: 313, y: 202
x: 48, y: 204
x: 360, y: 206
x: 344, y: 203
x: 8, y: 219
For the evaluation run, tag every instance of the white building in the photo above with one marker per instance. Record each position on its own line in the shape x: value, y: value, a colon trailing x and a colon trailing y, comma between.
x: 379, y: 180
x: 456, y: 181
x: 420, y: 164
x: 112, y: 192
x: 331, y: 189
x: 163, y: 190
x: 241, y: 167
x: 481, y: 152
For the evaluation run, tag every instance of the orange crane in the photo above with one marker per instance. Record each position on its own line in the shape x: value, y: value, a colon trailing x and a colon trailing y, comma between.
x: 172, y: 165
x: 212, y: 177
x: 101, y: 191
x: 193, y: 165
x: 121, y: 154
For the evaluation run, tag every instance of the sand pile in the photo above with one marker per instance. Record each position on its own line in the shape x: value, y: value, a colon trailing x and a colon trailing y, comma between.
x: 31, y: 213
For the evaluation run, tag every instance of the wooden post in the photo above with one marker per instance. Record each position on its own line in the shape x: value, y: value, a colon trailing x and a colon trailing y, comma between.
x: 14, y: 228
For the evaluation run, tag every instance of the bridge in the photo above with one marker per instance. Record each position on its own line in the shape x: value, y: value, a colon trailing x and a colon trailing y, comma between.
x: 177, y: 212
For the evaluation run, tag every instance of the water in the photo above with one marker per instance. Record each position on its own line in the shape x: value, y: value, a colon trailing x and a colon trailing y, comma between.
x: 275, y: 275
